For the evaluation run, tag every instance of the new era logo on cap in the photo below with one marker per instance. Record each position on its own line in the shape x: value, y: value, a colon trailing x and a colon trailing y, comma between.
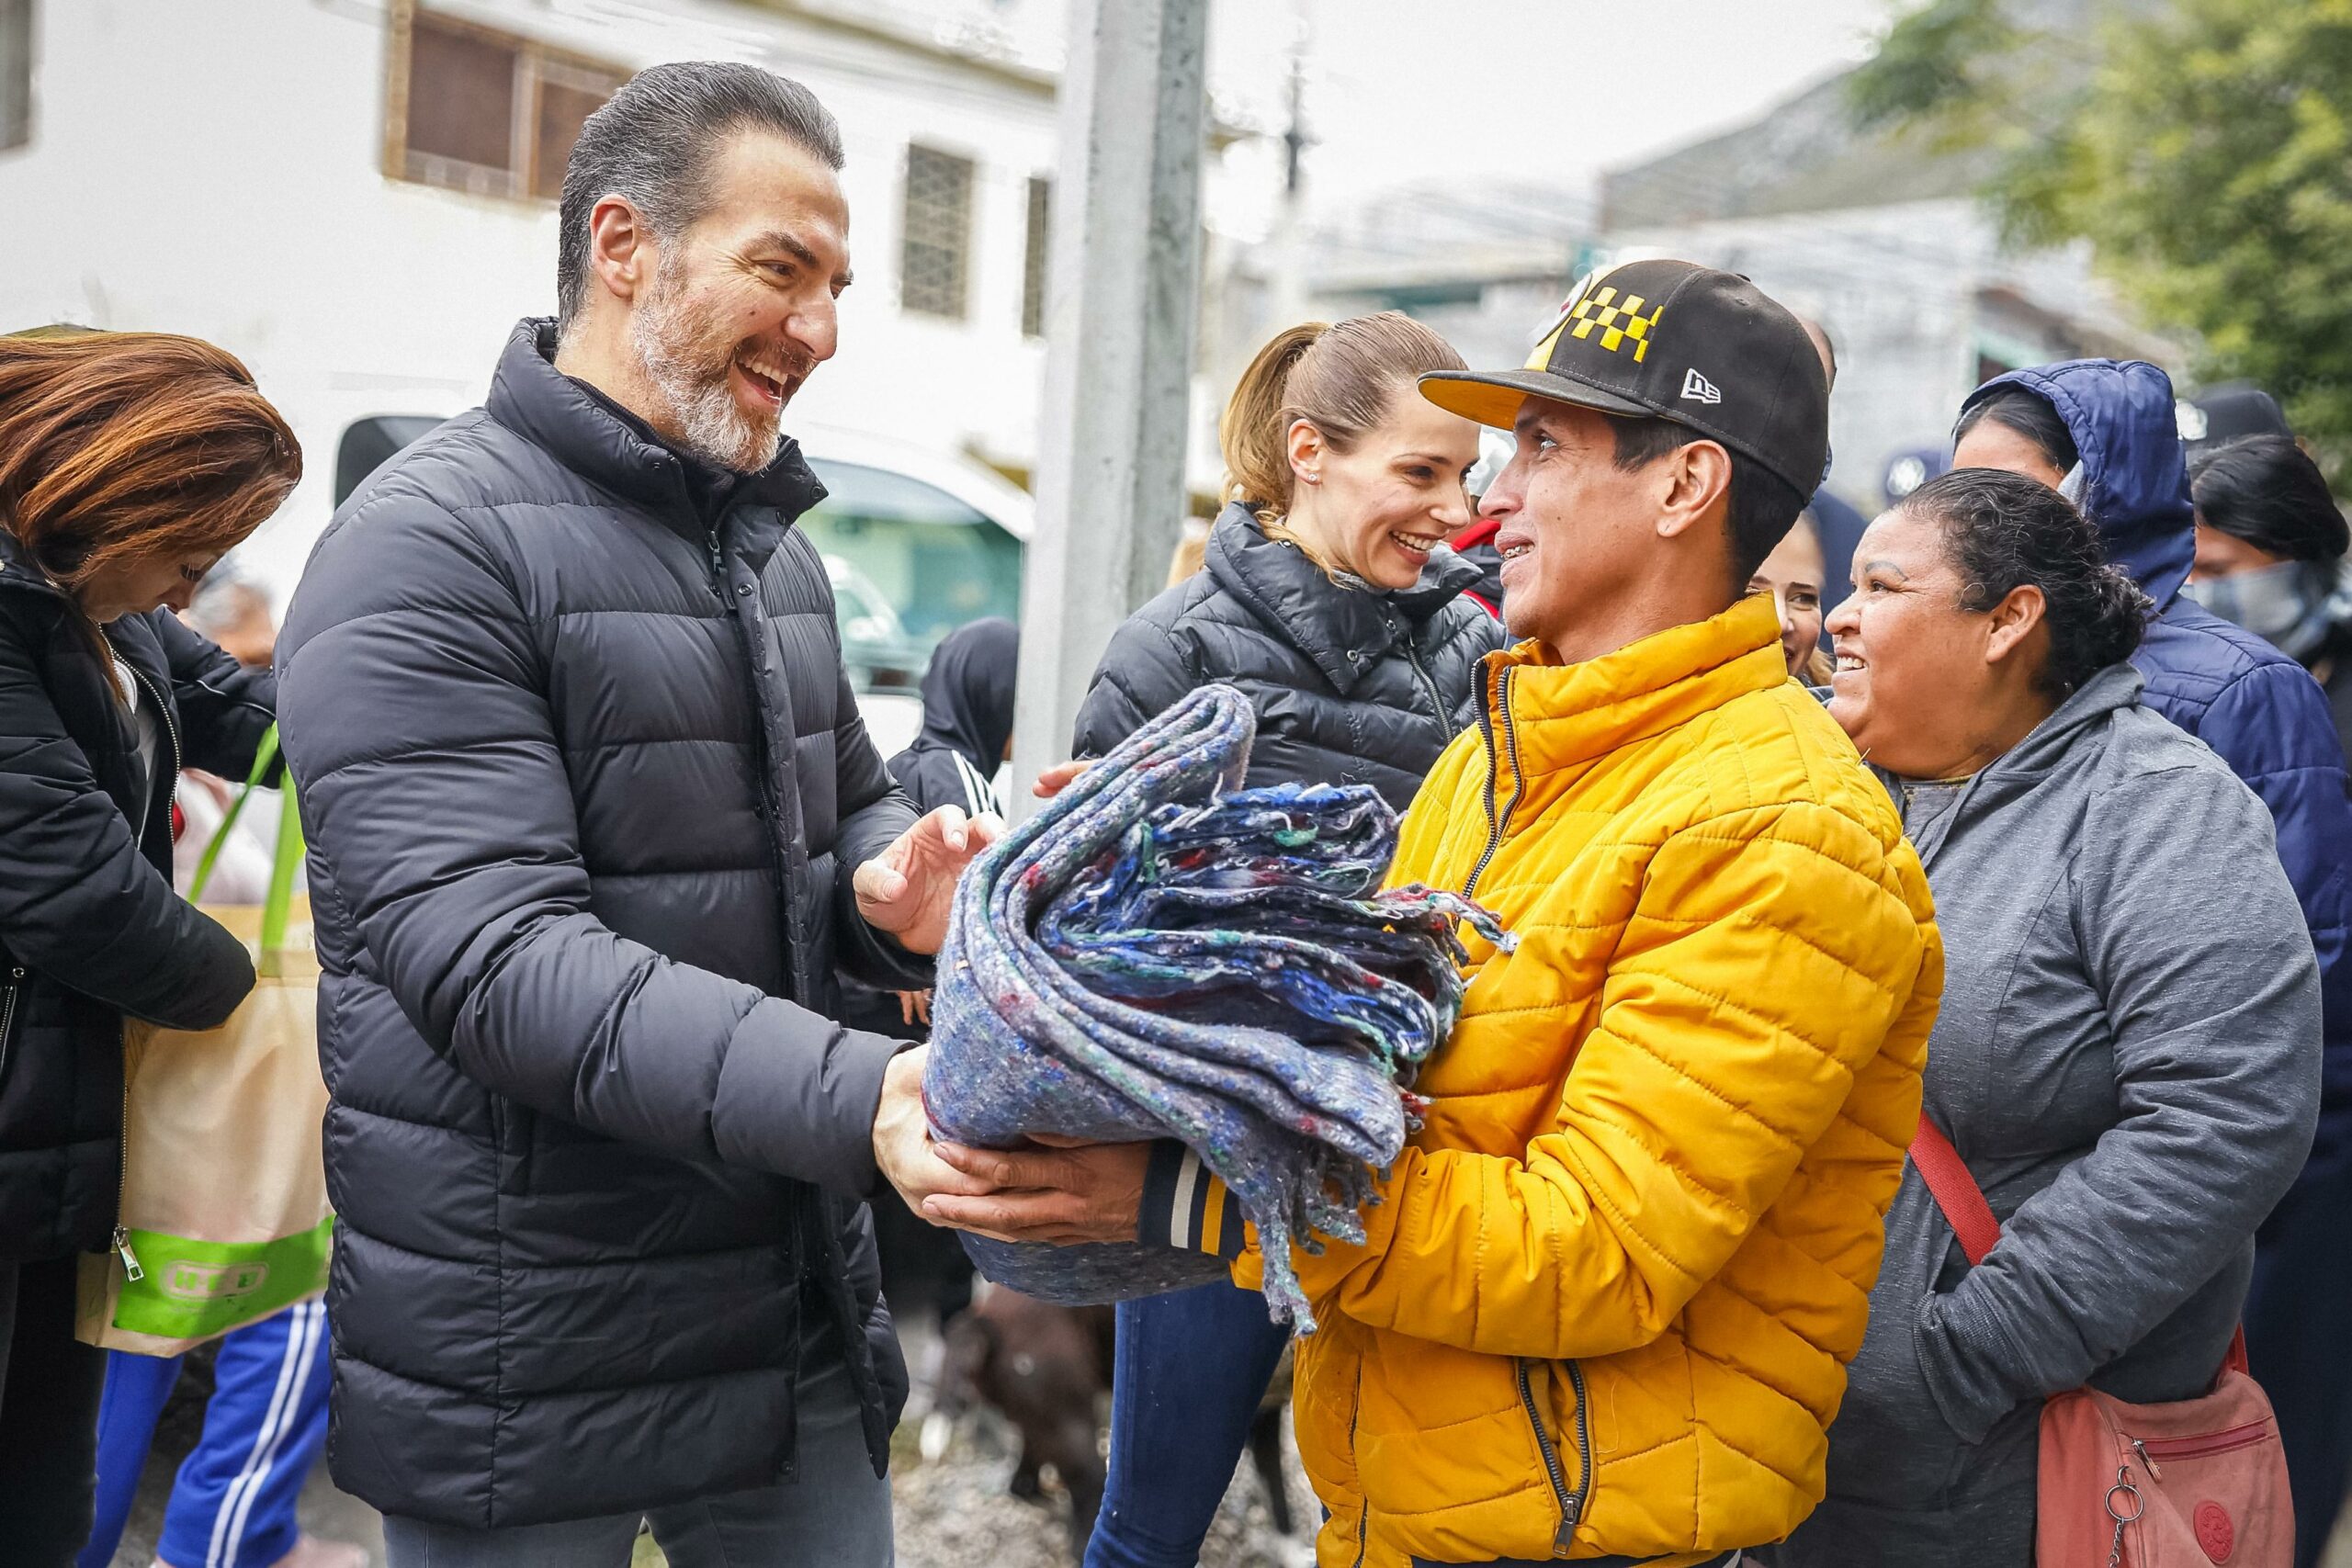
x: 1628, y: 346
x: 1698, y: 389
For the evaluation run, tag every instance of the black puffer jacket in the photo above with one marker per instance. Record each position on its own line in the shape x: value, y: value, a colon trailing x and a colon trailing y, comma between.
x: 584, y: 780
x: 1351, y: 685
x: 90, y: 929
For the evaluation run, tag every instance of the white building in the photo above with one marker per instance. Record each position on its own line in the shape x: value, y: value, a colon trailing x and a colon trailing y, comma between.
x: 355, y: 196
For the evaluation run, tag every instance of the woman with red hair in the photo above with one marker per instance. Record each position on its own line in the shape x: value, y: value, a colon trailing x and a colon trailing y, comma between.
x: 129, y: 463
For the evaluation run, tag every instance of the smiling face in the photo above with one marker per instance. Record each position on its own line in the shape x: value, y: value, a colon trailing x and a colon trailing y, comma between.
x: 1578, y: 533
x: 1791, y: 574
x: 1379, y: 508
x: 1910, y: 669
x: 742, y: 303
x: 135, y: 586
x: 1924, y: 686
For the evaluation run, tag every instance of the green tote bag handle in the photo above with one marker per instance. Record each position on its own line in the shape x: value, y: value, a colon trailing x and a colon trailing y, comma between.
x: 285, y: 861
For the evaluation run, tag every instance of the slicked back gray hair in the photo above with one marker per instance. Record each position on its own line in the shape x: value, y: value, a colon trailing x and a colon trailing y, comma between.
x: 654, y: 143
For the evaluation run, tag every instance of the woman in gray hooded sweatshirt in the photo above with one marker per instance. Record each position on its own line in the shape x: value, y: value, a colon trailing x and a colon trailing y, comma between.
x: 2128, y: 1051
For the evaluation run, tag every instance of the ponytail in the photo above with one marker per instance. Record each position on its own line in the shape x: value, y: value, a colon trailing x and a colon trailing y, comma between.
x: 1254, y: 434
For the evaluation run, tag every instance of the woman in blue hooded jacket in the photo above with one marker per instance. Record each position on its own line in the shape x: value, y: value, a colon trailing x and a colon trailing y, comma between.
x: 2106, y: 434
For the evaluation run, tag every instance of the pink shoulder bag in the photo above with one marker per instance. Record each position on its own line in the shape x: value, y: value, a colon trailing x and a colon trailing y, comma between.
x: 2193, y: 1482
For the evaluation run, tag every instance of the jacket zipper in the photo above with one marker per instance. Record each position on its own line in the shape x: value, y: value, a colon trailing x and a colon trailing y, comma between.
x: 131, y: 1271
x: 1496, y: 824
x: 1363, y: 1507
x: 2201, y: 1447
x: 1428, y: 687
x: 8, y: 1015
x: 1571, y: 1504
x: 171, y: 729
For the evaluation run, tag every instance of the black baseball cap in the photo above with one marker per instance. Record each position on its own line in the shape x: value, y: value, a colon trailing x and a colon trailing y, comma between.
x: 1672, y: 340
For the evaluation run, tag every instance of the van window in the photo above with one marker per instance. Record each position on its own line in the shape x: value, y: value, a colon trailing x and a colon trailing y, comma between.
x: 937, y: 561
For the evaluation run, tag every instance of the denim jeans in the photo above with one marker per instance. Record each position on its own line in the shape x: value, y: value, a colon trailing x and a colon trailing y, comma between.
x: 834, y: 1514
x: 1191, y: 1369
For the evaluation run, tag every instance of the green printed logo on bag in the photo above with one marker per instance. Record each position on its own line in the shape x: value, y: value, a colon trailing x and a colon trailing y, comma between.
x: 192, y: 1281
x: 194, y: 1290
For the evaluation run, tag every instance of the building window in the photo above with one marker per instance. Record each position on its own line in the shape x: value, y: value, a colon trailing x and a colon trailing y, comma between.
x: 935, y: 253
x: 1033, y: 265
x: 15, y: 73
x: 483, y: 111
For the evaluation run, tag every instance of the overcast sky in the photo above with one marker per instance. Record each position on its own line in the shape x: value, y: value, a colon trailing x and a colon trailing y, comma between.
x: 1403, y: 91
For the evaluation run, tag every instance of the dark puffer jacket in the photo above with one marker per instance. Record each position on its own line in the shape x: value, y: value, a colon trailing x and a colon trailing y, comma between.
x: 90, y: 929
x: 1351, y: 685
x: 585, y: 779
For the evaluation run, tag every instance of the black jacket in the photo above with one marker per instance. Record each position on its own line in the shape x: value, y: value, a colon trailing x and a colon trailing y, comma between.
x: 90, y: 929
x: 1351, y: 686
x: 583, y: 780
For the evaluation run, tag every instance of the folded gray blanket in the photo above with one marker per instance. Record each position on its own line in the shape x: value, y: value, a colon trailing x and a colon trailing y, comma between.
x: 1157, y: 954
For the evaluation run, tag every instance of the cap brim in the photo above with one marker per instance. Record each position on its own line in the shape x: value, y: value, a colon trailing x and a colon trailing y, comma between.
x: 1493, y: 397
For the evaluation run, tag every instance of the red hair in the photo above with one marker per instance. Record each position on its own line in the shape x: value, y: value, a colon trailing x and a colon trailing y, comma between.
x: 121, y: 447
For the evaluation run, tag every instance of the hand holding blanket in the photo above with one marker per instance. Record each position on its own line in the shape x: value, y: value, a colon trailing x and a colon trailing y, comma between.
x: 1157, y: 954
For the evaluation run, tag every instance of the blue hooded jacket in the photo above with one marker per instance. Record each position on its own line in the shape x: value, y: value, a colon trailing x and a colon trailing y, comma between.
x: 2257, y: 709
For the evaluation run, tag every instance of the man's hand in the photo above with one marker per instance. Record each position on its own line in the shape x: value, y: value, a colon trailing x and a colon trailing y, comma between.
x: 1064, y: 1192
x: 907, y: 890
x: 903, y: 1146
x: 914, y: 1007
x: 1055, y: 779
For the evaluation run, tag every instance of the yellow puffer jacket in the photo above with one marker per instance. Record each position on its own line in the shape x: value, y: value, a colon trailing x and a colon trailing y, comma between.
x: 1606, y: 1305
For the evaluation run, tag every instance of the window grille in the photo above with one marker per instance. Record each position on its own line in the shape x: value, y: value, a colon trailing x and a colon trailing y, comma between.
x: 935, y: 253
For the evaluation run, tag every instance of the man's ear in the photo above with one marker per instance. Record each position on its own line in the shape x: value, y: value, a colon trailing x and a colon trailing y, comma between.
x: 1694, y: 482
x: 620, y: 249
x: 2012, y: 622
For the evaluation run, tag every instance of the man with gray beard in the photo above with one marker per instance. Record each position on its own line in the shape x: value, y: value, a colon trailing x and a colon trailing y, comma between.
x: 593, y: 819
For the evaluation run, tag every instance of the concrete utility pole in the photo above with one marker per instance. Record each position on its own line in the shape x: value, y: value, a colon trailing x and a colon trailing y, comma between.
x: 1122, y: 292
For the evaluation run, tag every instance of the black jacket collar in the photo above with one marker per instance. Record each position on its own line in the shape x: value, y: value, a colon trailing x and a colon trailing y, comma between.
x: 531, y: 397
x: 1345, y: 630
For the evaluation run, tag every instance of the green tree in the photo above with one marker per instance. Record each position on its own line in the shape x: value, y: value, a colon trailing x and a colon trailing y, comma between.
x: 2203, y: 147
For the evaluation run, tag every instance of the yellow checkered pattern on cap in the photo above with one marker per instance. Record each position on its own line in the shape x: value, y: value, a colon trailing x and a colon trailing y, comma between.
x: 1619, y: 320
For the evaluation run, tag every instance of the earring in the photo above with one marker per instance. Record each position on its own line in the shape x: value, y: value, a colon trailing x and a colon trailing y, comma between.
x: 1313, y: 478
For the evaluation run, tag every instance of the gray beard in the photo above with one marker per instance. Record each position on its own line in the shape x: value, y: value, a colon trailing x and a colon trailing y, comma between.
x: 711, y: 424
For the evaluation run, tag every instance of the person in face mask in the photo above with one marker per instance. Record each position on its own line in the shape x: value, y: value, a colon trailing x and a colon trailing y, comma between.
x: 2270, y: 546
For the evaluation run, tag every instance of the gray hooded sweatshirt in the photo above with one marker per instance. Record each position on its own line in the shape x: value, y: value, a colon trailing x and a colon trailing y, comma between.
x: 2128, y: 1059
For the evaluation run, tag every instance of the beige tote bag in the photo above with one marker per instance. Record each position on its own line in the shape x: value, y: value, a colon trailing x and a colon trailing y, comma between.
x: 224, y: 1218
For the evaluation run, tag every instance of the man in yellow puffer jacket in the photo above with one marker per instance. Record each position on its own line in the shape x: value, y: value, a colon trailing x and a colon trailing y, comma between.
x: 1604, y: 1307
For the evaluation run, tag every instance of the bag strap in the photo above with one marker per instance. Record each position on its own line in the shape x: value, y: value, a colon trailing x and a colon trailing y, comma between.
x: 277, y: 903
x: 264, y: 755
x: 274, y: 908
x: 1972, y: 1220
x: 1954, y: 1190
